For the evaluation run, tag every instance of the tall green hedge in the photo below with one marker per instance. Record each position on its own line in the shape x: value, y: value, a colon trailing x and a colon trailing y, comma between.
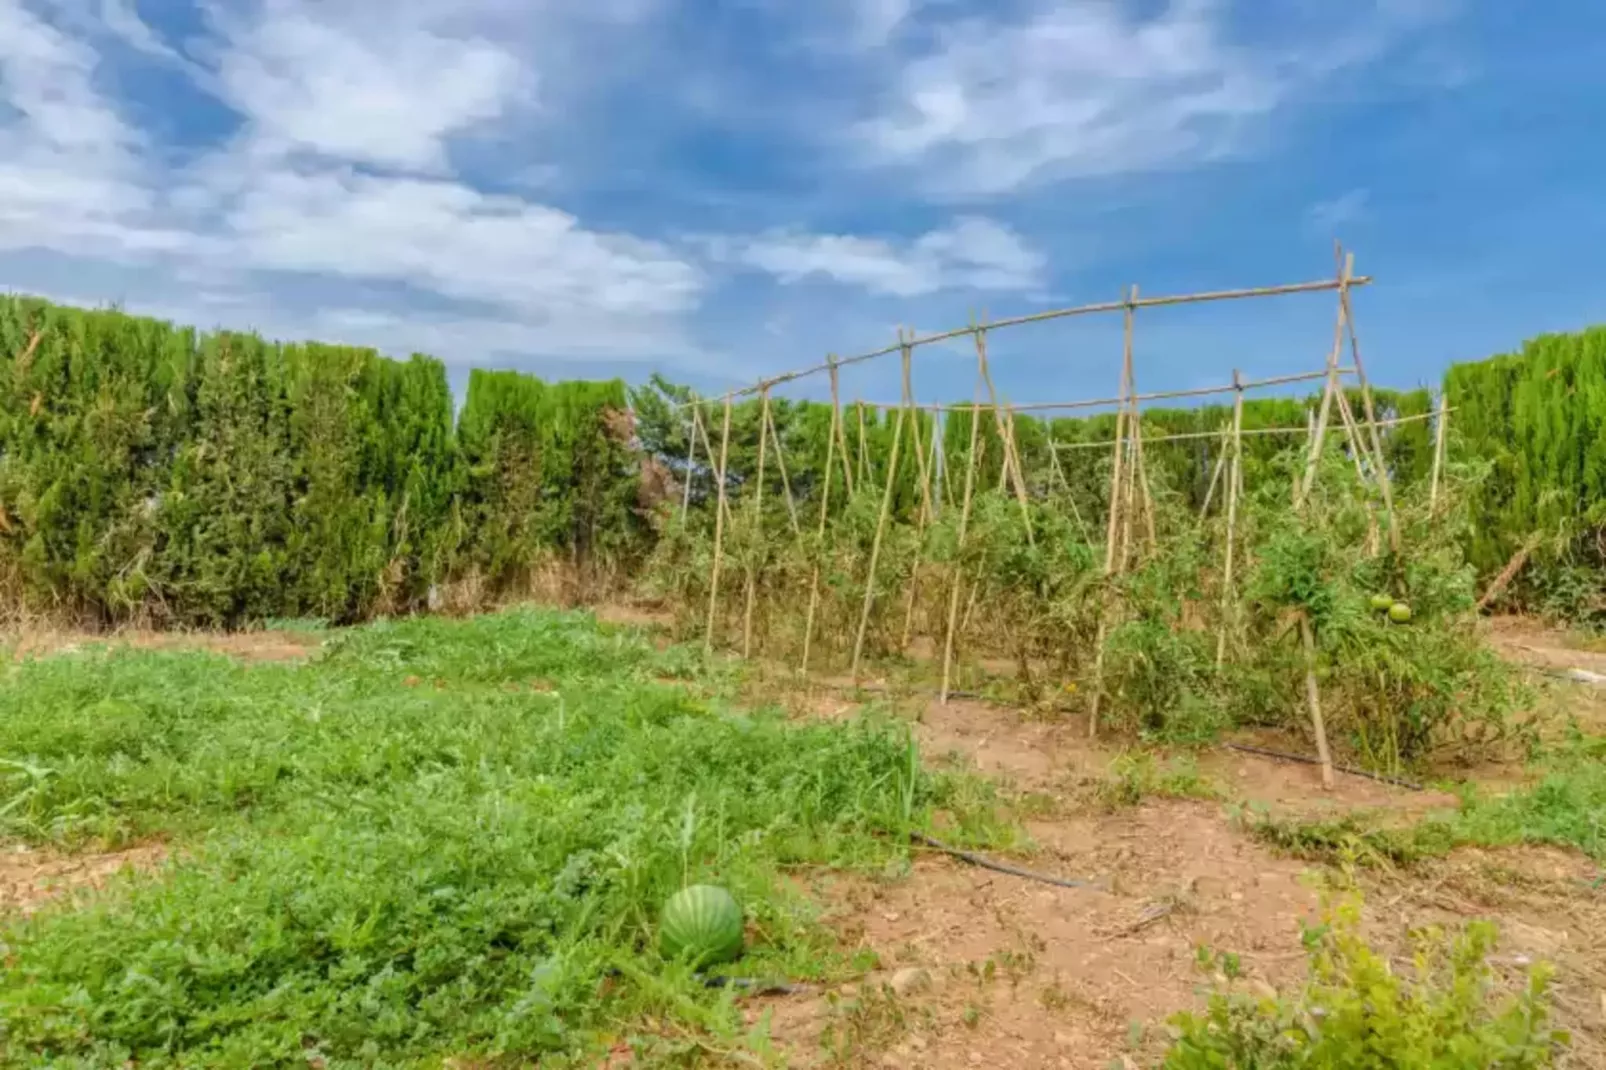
x: 1537, y: 418
x: 150, y: 471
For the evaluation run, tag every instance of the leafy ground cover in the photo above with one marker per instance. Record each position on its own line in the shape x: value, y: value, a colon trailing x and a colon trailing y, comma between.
x: 435, y: 839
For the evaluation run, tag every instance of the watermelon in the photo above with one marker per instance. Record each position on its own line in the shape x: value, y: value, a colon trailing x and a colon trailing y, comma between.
x: 1399, y: 613
x: 702, y: 923
x: 1382, y: 603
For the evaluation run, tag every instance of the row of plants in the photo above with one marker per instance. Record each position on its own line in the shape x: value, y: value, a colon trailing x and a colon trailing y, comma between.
x: 1164, y: 645
x: 154, y: 472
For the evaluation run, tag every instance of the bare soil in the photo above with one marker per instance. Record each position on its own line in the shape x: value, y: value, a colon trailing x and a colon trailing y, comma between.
x: 31, y: 877
x: 981, y: 968
x: 263, y: 646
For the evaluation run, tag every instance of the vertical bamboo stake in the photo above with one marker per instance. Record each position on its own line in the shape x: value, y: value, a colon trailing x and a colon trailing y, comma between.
x: 864, y: 458
x: 1056, y: 469
x: 1383, y: 479
x: 758, y: 523
x: 1438, y: 454
x: 1006, y: 434
x: 691, y: 459
x: 1114, y: 526
x: 1222, y: 453
x: 1233, y: 483
x: 786, y: 482
x: 831, y: 441
x: 1313, y: 697
x: 880, y: 530
x: 1358, y: 448
x: 719, y: 530
x: 926, y: 513
x: 959, y: 568
x: 839, y: 424
x: 1318, y: 434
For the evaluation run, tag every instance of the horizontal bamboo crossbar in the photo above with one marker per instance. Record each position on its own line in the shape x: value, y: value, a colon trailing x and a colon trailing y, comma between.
x: 1302, y: 430
x: 1195, y: 392
x: 915, y: 341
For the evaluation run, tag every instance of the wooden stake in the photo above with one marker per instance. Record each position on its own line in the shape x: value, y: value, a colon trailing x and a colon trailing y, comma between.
x: 1233, y: 483
x: 1114, y: 527
x: 1006, y: 433
x: 880, y: 531
x: 758, y: 524
x: 959, y: 568
x: 926, y: 512
x: 691, y: 459
x: 840, y: 425
x: 1345, y: 282
x: 1438, y: 455
x: 719, y: 531
x: 1313, y: 697
x: 831, y: 441
x: 1222, y: 453
x: 1318, y: 434
x: 864, y: 458
x: 786, y: 482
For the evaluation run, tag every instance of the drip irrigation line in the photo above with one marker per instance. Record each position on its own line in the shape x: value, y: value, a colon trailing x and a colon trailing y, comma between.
x: 1383, y: 778
x: 1002, y: 867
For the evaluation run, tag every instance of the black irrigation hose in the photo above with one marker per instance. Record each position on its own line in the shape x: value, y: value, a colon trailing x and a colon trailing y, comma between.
x: 1002, y: 867
x: 1383, y: 778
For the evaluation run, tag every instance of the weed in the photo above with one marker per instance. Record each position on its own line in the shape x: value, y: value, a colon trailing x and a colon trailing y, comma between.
x: 1356, y: 1011
x: 386, y: 874
x: 1134, y: 777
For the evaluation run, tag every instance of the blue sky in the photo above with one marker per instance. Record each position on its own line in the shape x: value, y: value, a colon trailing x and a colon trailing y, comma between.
x: 720, y: 190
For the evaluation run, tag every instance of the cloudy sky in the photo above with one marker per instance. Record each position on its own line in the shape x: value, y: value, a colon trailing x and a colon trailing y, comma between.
x: 721, y: 188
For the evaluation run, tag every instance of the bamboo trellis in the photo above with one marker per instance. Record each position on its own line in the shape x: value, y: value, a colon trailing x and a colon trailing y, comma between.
x: 1130, y: 521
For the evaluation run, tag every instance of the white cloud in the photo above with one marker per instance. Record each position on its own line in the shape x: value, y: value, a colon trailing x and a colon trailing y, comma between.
x: 971, y: 253
x: 234, y: 237
x: 340, y: 82
x: 1097, y: 88
x: 450, y: 239
x: 1329, y: 216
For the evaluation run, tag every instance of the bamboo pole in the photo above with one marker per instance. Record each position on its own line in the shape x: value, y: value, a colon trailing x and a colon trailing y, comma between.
x: 691, y: 459
x: 880, y: 532
x: 1234, y: 483
x: 1098, y: 403
x: 757, y: 512
x: 719, y: 531
x: 786, y: 481
x: 831, y: 441
x: 864, y: 459
x: 1216, y: 469
x: 1113, y: 528
x: 1313, y: 697
x: 1056, y: 469
x: 1346, y: 281
x: 1005, y: 433
x: 708, y: 448
x: 964, y: 527
x: 926, y: 513
x: 1438, y: 455
x: 1357, y: 448
x: 1318, y: 435
x: 1249, y: 432
x: 1319, y: 286
x: 841, y: 427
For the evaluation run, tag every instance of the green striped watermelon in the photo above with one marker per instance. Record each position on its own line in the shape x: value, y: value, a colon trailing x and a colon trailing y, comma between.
x: 703, y: 923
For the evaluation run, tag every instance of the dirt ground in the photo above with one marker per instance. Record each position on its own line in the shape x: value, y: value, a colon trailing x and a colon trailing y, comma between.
x: 31, y: 876
x: 983, y: 968
x: 247, y: 646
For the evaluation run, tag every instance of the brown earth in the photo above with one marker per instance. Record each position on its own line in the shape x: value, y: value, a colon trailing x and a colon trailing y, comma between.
x: 982, y: 968
x: 31, y: 877
x: 262, y: 646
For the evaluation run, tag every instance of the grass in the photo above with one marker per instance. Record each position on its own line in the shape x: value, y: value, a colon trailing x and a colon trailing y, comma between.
x: 1565, y: 808
x: 438, y: 839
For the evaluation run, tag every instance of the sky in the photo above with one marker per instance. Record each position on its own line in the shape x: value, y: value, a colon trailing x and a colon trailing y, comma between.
x: 719, y: 190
